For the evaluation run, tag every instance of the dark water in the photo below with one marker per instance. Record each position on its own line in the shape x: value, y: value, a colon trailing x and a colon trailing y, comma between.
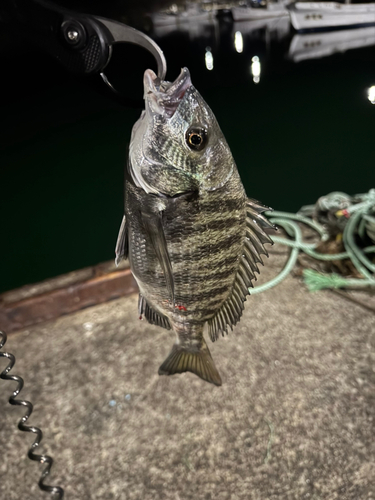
x: 304, y: 130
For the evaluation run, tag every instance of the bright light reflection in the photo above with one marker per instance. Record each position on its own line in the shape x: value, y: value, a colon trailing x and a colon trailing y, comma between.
x: 238, y: 41
x: 209, y: 59
x: 255, y: 69
x: 371, y: 94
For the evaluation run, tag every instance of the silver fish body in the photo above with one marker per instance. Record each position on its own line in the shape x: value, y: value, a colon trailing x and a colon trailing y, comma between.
x: 192, y: 237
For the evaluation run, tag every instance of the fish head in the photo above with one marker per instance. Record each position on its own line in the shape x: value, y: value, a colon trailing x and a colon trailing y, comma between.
x: 177, y: 145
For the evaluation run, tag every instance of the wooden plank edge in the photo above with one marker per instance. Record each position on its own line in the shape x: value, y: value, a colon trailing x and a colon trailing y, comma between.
x: 61, y: 301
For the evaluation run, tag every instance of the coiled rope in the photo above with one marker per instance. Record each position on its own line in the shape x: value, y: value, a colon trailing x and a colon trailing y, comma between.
x: 314, y: 280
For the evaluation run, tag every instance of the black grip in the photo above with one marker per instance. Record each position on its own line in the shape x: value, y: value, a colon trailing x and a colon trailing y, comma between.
x: 87, y: 54
x: 77, y: 41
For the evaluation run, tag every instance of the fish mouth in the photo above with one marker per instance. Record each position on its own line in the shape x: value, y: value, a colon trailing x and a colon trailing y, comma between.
x: 163, y: 97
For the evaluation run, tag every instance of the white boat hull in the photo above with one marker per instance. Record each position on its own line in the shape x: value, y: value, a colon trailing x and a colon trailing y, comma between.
x: 272, y: 11
x: 316, y: 45
x: 312, y: 15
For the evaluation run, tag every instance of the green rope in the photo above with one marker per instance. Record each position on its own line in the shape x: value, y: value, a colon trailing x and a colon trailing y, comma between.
x: 317, y: 281
x: 295, y: 231
x: 317, y: 255
x: 314, y: 280
x: 300, y: 218
x: 348, y: 238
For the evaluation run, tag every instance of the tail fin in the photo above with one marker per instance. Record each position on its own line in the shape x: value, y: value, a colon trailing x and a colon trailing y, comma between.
x: 197, y: 360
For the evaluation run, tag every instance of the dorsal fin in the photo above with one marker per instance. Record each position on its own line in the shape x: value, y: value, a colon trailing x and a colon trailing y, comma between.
x: 253, y: 247
x: 151, y: 315
x: 254, y: 210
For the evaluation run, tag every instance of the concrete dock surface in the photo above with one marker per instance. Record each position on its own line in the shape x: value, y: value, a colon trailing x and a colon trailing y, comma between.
x: 293, y: 420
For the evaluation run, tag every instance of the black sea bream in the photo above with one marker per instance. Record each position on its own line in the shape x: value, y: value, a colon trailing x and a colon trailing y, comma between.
x: 192, y: 237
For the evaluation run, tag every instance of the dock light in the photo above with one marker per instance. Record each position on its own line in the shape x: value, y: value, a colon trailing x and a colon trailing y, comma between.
x: 238, y: 41
x: 255, y: 69
x: 209, y: 59
x: 371, y: 94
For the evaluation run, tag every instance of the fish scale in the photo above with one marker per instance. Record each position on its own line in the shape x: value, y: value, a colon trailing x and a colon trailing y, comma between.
x: 192, y: 237
x: 204, y: 268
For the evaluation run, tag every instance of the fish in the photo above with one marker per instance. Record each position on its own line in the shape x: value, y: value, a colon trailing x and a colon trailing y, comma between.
x: 193, y: 238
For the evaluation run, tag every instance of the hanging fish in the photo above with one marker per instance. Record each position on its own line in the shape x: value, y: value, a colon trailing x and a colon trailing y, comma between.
x: 192, y: 237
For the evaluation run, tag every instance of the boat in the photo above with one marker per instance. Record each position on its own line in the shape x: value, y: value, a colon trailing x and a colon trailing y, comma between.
x: 316, y: 45
x: 270, y: 10
x: 278, y: 26
x: 188, y: 13
x: 325, y: 15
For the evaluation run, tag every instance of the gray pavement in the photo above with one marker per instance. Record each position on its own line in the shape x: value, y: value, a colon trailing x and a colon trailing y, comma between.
x: 294, y: 418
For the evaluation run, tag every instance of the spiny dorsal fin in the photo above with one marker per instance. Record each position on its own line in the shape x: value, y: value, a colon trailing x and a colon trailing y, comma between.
x: 255, y: 209
x: 151, y: 315
x: 196, y: 359
x: 122, y: 244
x: 231, y: 311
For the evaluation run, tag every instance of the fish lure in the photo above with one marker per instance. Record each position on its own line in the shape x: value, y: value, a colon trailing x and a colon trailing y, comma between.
x: 192, y: 237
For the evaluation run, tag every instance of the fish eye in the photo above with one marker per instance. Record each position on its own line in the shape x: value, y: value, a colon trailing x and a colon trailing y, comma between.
x: 196, y: 138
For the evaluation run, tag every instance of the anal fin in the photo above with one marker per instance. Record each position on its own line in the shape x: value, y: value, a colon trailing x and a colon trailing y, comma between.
x: 197, y: 360
x: 152, y: 316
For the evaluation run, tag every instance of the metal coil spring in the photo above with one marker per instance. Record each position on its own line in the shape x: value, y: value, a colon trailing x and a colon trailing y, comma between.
x: 43, y: 459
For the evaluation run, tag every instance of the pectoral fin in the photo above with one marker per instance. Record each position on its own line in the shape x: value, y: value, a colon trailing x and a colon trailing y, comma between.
x: 154, y: 227
x: 122, y: 247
